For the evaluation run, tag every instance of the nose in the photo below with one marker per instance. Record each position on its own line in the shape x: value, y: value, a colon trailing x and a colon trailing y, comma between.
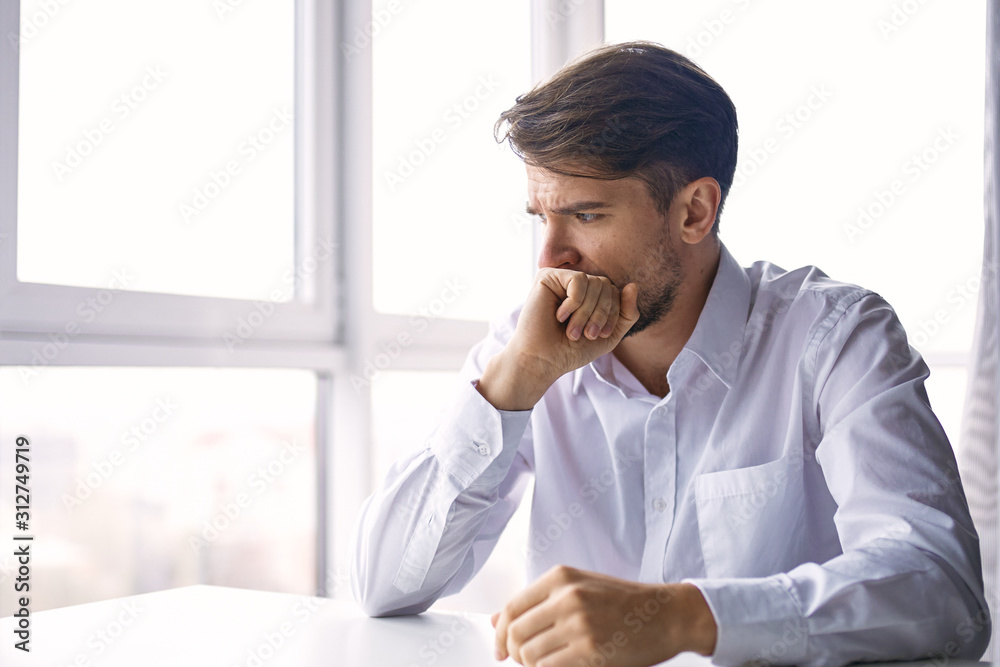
x: 558, y: 250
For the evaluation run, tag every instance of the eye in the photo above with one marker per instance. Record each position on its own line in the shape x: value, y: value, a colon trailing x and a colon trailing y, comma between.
x: 587, y: 217
x: 541, y: 217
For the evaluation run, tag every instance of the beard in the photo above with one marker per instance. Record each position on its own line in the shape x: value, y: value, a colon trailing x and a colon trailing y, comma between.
x: 658, y: 286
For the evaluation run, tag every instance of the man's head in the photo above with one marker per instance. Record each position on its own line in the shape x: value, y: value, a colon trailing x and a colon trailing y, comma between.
x: 630, y: 151
x: 633, y: 109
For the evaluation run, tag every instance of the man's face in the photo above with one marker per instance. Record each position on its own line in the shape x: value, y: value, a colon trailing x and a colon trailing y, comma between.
x: 608, y: 228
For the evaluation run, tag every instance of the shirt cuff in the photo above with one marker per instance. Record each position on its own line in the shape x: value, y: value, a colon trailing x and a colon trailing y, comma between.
x: 758, y: 619
x: 476, y: 443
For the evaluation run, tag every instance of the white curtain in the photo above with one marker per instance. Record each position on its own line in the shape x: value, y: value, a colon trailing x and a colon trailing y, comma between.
x: 979, y: 447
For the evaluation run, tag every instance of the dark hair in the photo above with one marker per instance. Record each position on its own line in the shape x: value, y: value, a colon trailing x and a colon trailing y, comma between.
x: 632, y: 109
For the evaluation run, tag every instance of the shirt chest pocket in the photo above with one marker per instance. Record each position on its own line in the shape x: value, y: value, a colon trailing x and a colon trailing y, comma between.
x: 750, y: 519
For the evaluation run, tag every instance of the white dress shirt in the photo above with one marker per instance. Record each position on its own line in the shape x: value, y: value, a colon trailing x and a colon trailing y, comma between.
x: 794, y: 473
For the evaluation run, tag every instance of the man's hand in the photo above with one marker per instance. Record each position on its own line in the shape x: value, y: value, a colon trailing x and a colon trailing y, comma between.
x: 569, y: 616
x: 569, y: 319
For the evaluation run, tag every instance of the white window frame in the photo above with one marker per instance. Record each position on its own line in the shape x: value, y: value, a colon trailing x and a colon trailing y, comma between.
x: 334, y: 333
x: 162, y: 330
x: 28, y: 309
x: 560, y: 31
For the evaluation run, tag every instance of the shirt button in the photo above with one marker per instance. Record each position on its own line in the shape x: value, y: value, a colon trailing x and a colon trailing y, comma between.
x: 484, y: 450
x: 659, y: 504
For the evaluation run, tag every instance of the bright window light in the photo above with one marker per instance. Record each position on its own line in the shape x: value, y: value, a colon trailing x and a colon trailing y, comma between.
x: 156, y: 140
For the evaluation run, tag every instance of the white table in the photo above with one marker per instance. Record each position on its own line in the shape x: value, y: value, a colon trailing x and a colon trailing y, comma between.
x: 213, y: 626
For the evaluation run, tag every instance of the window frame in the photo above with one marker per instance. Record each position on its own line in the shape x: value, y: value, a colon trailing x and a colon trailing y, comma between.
x: 30, y: 310
x: 340, y: 329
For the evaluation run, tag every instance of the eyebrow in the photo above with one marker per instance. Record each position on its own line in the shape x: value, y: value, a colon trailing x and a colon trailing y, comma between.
x: 570, y: 209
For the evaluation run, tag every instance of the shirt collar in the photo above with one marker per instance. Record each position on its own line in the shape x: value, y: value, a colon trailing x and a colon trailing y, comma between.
x: 717, y: 338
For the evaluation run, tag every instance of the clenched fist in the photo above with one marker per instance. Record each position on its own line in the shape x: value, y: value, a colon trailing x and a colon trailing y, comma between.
x: 569, y: 319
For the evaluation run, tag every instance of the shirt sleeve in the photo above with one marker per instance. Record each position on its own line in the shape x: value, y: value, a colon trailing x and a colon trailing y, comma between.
x: 438, y: 513
x: 908, y: 584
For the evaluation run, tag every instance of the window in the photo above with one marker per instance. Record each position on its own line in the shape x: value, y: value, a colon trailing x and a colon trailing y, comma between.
x: 180, y: 155
x: 169, y: 261
x: 150, y: 478
x: 172, y: 192
x: 448, y: 216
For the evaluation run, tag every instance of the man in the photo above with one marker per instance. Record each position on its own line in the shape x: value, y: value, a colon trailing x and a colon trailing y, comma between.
x: 738, y: 462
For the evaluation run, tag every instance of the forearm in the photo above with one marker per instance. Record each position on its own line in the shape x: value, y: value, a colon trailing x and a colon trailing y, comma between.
x: 416, y: 532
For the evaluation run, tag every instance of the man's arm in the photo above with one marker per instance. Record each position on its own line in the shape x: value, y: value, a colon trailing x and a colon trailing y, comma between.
x: 438, y: 514
x: 908, y: 584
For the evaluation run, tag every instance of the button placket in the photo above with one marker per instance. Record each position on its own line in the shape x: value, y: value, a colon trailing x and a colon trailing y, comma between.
x: 659, y: 478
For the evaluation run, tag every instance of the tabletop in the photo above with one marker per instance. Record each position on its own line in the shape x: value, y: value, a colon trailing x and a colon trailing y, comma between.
x: 214, y: 626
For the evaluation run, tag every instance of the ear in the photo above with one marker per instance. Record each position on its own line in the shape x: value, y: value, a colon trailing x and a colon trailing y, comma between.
x: 699, y: 202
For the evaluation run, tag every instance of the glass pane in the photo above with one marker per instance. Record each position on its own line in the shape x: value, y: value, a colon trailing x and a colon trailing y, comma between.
x: 150, y: 478
x: 861, y: 141
x: 406, y: 406
x: 178, y: 153
x: 448, y: 201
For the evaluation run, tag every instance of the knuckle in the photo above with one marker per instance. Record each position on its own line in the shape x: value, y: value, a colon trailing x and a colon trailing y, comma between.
x: 575, y: 595
x: 544, y: 274
x: 562, y: 573
x: 518, y: 634
x: 529, y: 655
